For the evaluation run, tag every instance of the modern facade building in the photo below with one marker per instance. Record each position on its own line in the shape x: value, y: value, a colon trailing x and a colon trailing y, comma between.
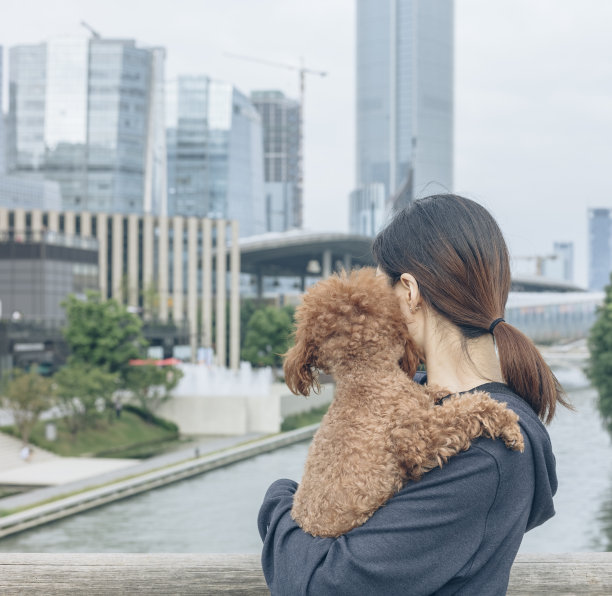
x: 88, y: 113
x: 600, y: 248
x: 3, y: 139
x: 281, y: 139
x: 29, y: 194
x: 367, y: 209
x: 20, y: 192
x: 404, y: 98
x: 215, y: 157
x: 170, y: 269
x: 38, y: 270
x: 562, y: 266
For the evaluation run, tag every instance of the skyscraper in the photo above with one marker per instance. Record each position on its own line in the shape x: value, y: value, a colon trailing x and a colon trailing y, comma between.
x: 19, y: 192
x: 85, y: 112
x: 562, y: 267
x: 404, y: 98
x: 215, y: 153
x: 281, y: 136
x: 600, y: 248
x: 2, y: 128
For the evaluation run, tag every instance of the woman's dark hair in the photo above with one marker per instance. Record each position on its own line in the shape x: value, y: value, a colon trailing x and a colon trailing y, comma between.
x: 456, y: 252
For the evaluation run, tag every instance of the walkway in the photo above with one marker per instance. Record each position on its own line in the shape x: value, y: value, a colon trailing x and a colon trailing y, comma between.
x: 75, y: 474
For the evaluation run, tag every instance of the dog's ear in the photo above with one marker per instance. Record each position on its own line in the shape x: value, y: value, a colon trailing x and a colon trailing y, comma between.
x: 300, y: 375
x: 410, y: 359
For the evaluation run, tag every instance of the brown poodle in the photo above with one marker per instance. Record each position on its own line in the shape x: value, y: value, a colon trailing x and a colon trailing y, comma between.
x: 382, y: 429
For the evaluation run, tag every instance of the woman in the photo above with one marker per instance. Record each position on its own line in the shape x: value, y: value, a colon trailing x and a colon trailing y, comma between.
x: 458, y: 530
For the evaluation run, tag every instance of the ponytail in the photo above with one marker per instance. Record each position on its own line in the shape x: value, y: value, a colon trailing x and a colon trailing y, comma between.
x: 526, y: 373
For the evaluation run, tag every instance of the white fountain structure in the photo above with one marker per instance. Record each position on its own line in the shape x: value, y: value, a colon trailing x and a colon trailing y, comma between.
x: 213, y: 400
x: 208, y: 381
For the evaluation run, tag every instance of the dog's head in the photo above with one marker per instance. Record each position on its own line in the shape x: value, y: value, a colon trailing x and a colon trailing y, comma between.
x: 347, y: 321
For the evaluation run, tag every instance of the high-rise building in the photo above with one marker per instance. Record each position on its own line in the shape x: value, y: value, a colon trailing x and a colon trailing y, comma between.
x: 562, y: 266
x: 16, y: 191
x: 281, y: 137
x: 2, y: 127
x: 367, y: 209
x: 86, y: 113
x: 215, y: 153
x: 600, y: 248
x: 404, y: 98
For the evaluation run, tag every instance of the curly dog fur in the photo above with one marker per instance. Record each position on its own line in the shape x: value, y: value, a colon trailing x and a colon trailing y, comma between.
x: 382, y: 429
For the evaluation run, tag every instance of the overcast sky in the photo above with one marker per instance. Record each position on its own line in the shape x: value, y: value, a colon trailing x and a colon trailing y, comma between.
x: 533, y: 94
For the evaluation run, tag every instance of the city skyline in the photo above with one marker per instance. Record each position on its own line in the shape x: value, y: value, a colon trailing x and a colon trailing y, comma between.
x: 532, y: 89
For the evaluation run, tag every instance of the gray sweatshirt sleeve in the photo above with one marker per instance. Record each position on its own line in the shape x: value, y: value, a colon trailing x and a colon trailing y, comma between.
x: 423, y: 540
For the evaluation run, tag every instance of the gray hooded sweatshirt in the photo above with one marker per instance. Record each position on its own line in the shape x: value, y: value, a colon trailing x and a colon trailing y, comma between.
x: 456, y: 531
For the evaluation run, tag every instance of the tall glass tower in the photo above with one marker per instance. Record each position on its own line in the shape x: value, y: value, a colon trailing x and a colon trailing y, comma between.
x: 85, y: 113
x: 404, y: 99
x: 215, y: 153
x: 281, y: 136
x: 600, y: 248
x: 2, y: 127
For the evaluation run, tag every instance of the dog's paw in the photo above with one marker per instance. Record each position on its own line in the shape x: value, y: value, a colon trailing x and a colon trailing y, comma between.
x: 513, y: 438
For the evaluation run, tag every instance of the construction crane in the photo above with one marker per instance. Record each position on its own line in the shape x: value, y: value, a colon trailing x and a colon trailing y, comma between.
x: 89, y: 28
x: 303, y: 71
x: 539, y: 260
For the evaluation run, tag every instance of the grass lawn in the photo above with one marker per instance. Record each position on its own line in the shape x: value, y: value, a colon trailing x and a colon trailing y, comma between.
x: 128, y: 436
x: 304, y: 418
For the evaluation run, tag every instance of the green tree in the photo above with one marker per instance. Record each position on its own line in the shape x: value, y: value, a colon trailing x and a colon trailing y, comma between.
x: 102, y: 333
x: 26, y: 395
x: 150, y: 301
x: 599, y: 369
x: 247, y: 310
x: 151, y: 385
x: 85, y: 393
x: 268, y: 335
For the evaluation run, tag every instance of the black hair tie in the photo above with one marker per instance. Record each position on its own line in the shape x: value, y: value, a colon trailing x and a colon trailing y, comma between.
x: 495, y: 323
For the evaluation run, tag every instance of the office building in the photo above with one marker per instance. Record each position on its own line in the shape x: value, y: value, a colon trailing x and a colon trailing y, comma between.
x: 215, y: 155
x: 600, y: 248
x: 367, y: 209
x: 20, y: 192
x: 404, y: 98
x: 561, y: 266
x: 281, y: 138
x: 39, y: 269
x: 16, y: 191
x: 2, y: 123
x: 87, y: 113
x: 163, y: 267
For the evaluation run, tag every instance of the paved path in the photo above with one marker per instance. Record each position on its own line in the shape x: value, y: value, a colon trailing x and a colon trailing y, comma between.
x: 10, y: 454
x: 96, y: 474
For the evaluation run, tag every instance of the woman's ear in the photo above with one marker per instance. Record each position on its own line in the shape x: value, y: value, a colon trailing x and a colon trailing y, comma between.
x: 298, y: 366
x: 411, y: 287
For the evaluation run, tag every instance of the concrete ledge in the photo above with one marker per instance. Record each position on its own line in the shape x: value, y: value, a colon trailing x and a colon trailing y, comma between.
x: 120, y: 573
x: 89, y: 499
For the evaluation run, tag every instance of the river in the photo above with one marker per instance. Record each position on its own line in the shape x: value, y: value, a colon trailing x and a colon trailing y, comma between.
x: 216, y: 512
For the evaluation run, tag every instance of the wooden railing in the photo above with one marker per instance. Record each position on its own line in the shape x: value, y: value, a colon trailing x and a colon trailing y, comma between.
x: 96, y: 574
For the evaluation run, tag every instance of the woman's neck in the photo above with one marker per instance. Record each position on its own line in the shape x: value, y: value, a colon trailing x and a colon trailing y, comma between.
x: 456, y: 369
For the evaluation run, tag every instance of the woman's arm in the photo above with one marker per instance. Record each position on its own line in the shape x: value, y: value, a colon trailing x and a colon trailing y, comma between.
x: 423, y: 538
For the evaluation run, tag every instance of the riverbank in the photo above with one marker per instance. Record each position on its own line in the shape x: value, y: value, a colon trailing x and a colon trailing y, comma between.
x: 39, y: 507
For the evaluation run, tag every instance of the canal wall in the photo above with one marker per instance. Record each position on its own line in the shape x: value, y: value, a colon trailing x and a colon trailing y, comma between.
x: 96, y: 497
